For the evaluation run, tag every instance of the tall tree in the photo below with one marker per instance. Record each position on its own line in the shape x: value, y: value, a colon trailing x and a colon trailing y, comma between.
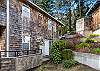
x: 44, y: 4
x: 67, y: 11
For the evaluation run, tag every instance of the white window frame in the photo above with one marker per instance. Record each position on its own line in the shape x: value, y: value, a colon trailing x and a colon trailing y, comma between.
x: 50, y: 24
x: 26, y: 39
x: 25, y: 11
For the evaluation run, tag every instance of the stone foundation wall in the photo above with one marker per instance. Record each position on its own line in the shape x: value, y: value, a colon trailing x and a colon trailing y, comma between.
x: 27, y: 62
x: 21, y: 63
x: 8, y: 64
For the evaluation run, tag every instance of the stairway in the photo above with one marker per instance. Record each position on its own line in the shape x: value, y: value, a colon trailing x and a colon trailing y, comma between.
x: 7, y: 65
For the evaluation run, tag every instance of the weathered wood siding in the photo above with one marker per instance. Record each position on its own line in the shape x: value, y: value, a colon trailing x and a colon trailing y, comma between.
x: 96, y: 19
x: 36, y: 26
x: 3, y: 14
x: 15, y: 20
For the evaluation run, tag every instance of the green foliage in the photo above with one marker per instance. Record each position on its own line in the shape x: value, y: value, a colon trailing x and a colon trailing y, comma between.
x: 96, y: 50
x: 70, y: 63
x: 67, y: 54
x: 89, y: 40
x: 60, y: 44
x: 72, y: 10
x: 44, y: 4
x: 93, y: 35
x: 55, y: 54
x: 83, y: 45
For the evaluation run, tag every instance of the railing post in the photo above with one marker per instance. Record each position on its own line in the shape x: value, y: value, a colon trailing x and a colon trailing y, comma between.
x: 15, y: 54
x: 27, y: 52
x: 41, y: 51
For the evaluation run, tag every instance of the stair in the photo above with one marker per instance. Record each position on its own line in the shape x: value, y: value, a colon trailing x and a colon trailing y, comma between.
x: 6, y: 65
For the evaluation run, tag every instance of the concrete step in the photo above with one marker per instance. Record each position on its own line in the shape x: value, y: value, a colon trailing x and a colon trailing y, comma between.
x: 6, y: 62
x: 45, y: 59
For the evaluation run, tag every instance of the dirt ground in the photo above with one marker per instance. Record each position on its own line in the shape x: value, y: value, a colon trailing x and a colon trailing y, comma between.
x: 52, y: 67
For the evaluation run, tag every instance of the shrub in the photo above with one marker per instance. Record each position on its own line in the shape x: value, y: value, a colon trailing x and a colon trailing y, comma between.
x: 67, y: 54
x: 96, y: 50
x: 56, y: 56
x: 82, y: 45
x: 61, y: 44
x: 59, y: 52
x: 70, y: 63
x: 89, y: 40
x: 93, y: 35
x: 56, y: 51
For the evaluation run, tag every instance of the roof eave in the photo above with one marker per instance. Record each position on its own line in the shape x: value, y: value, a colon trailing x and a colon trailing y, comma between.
x: 94, y: 6
x: 41, y: 10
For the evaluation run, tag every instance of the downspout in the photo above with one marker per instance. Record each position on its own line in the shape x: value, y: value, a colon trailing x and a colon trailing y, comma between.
x: 7, y: 46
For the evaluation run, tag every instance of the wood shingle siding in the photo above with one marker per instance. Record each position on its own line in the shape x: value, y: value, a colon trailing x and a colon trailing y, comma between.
x: 27, y: 19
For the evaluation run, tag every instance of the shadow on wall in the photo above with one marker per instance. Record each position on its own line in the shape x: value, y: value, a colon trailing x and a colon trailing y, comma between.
x: 2, y: 28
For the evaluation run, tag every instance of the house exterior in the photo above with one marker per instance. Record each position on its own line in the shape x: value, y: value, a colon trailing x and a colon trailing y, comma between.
x: 25, y: 26
x: 91, y: 23
x: 95, y: 17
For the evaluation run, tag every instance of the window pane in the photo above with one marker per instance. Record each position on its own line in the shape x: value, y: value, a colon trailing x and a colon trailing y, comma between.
x: 49, y: 25
x: 25, y: 11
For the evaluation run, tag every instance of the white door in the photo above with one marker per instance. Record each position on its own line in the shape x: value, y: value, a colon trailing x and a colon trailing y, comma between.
x: 46, y: 48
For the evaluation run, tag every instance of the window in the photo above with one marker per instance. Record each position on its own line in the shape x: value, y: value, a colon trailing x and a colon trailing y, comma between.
x: 26, y: 42
x: 54, y: 27
x: 49, y: 25
x: 25, y: 11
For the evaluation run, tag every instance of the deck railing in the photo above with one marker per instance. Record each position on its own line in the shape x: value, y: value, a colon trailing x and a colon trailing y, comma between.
x: 20, y: 52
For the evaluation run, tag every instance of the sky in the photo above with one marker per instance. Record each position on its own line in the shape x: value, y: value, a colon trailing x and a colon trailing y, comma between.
x: 64, y: 8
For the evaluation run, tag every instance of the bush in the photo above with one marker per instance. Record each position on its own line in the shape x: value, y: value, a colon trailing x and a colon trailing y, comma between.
x: 59, y: 52
x: 93, y: 35
x: 96, y: 50
x: 82, y: 45
x: 70, y: 63
x: 56, y: 51
x: 89, y: 40
x: 56, y: 56
x: 67, y: 54
x: 61, y: 44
